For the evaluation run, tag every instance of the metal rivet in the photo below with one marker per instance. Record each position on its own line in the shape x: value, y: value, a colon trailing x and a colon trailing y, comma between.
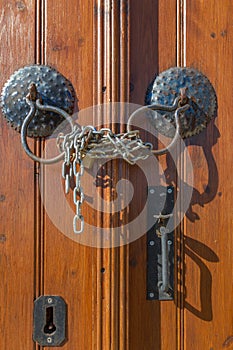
x: 169, y: 190
x: 152, y: 191
x: 152, y: 243
x: 162, y: 230
x: 50, y: 300
x: 151, y: 295
x: 169, y: 242
x: 49, y: 340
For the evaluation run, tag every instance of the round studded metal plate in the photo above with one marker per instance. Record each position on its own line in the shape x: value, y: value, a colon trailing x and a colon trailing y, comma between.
x: 53, y: 88
x: 201, y: 97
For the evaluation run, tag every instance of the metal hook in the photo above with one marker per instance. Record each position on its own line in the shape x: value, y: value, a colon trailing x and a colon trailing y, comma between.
x: 156, y: 107
x: 197, y: 107
x: 164, y: 284
x: 37, y: 105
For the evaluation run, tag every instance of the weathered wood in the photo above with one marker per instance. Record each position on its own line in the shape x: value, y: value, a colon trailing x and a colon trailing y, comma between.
x: 17, y: 33
x: 102, y: 310
x: 209, y: 244
x: 67, y: 265
x: 153, y: 49
x: 111, y: 51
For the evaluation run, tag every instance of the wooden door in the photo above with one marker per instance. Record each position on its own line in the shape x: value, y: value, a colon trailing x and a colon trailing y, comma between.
x: 111, y: 51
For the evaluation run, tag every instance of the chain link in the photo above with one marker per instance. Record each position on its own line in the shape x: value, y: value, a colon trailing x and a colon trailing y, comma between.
x: 105, y: 144
x: 78, y: 199
x: 89, y: 142
x: 102, y: 144
x: 78, y: 195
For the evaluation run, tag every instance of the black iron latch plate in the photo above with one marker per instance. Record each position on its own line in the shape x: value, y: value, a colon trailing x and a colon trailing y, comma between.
x: 49, y: 327
x: 160, y: 208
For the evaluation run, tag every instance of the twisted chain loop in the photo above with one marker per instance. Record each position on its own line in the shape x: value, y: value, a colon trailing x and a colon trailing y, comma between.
x: 78, y: 197
x: 91, y: 143
x: 104, y: 144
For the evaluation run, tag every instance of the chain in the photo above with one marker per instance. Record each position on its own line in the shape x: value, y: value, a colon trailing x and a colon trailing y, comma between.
x: 102, y: 144
x: 128, y: 146
x: 105, y: 144
x: 78, y: 196
x: 91, y: 143
x: 67, y: 168
x: 78, y: 169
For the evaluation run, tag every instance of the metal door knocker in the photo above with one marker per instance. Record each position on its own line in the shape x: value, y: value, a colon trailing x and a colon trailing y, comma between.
x: 37, y: 98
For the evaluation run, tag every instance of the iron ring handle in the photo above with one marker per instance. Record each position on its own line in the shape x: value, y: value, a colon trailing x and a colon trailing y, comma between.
x: 156, y: 107
x: 33, y: 105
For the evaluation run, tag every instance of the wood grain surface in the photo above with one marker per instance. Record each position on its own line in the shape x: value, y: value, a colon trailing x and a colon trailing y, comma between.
x: 67, y: 265
x: 17, y: 199
x: 95, y: 284
x: 154, y: 35
x: 111, y: 51
x: 209, y: 244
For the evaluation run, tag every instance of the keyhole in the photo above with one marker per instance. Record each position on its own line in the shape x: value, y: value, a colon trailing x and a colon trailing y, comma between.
x: 50, y: 327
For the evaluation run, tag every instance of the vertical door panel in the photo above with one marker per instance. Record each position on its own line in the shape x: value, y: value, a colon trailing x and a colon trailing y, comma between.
x: 153, y: 43
x: 208, y: 243
x: 17, y: 32
x: 86, y: 44
x: 68, y: 37
x: 111, y: 51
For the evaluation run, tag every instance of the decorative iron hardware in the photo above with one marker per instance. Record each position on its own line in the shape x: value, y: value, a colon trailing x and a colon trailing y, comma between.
x: 182, y: 102
x: 195, y: 90
x: 49, y: 328
x: 57, y: 95
x: 50, y: 87
x: 177, y: 109
x: 160, y: 244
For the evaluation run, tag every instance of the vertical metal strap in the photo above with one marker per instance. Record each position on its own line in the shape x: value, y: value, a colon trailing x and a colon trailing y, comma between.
x: 160, y: 244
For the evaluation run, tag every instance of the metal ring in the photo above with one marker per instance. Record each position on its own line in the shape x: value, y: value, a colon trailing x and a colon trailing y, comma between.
x: 175, y: 107
x: 28, y: 119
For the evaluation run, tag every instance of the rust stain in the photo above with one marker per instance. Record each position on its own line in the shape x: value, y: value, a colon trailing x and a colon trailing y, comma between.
x: 2, y: 198
x: 228, y: 342
x: 81, y: 42
x: 73, y: 273
x: 133, y: 262
x: 223, y: 33
x: 20, y: 5
x: 59, y: 48
x: 2, y: 238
